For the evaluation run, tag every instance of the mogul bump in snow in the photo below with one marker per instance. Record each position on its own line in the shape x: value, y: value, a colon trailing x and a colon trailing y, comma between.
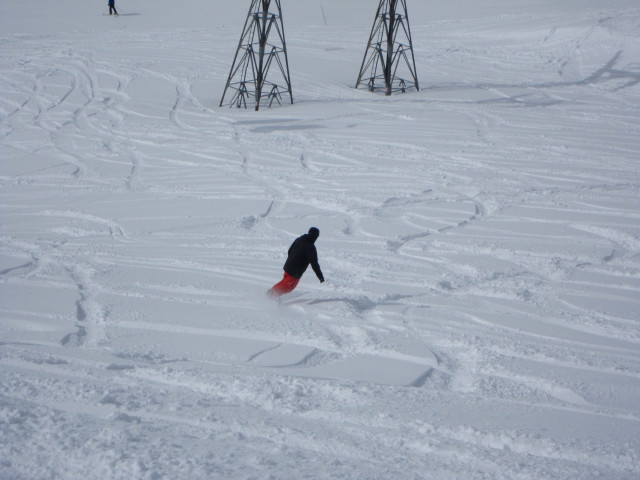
x: 301, y: 254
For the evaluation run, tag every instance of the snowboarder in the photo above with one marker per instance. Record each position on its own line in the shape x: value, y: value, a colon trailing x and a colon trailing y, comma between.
x: 301, y: 254
x: 112, y: 7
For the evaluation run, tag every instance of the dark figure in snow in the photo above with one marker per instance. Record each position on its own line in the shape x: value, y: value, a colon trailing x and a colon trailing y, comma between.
x: 302, y: 253
x: 112, y: 7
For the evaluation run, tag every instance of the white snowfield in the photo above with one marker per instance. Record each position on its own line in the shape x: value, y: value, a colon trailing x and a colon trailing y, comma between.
x: 480, y: 239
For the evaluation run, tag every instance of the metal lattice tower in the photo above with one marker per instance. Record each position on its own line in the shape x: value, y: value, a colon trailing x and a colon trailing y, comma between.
x: 388, y: 62
x: 258, y: 70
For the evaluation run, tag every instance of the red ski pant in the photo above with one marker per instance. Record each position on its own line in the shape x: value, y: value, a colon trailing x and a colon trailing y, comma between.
x: 286, y: 285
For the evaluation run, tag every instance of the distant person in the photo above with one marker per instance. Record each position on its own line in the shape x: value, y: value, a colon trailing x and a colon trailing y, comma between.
x: 112, y: 7
x: 301, y: 254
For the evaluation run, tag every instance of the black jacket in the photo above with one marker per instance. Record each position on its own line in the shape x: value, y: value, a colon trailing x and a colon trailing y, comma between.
x: 302, y: 253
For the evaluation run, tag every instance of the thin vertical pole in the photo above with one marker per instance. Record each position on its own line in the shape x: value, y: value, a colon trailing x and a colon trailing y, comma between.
x: 388, y: 77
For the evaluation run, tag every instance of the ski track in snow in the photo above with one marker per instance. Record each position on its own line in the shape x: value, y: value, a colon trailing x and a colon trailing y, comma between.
x: 480, y: 240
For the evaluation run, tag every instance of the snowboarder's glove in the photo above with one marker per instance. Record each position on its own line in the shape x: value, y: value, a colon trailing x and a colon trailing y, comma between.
x: 321, y: 279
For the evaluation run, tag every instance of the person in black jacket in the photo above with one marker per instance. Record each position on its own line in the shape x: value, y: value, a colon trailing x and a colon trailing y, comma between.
x: 112, y: 7
x: 302, y: 253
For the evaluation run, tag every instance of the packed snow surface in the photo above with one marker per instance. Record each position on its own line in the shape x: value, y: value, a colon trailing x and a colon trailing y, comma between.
x: 480, y: 239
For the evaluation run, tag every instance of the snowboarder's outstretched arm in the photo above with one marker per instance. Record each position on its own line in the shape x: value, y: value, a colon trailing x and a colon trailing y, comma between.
x: 315, y: 265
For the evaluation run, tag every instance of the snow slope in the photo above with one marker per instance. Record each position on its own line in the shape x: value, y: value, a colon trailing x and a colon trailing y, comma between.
x: 480, y: 240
